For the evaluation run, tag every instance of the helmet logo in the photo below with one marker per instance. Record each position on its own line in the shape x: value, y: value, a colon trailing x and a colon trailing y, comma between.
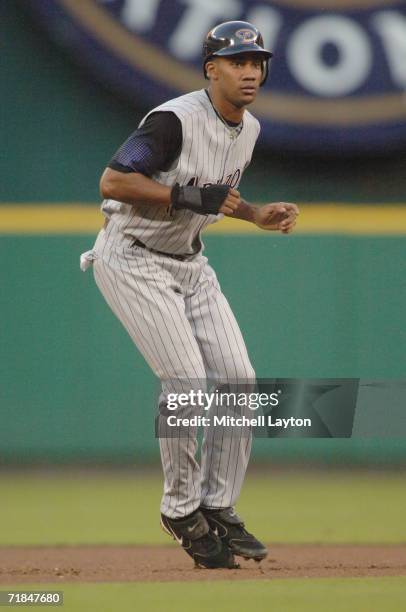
x: 246, y: 36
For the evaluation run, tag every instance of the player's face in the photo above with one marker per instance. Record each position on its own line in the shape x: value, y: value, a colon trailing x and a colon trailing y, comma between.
x: 238, y: 77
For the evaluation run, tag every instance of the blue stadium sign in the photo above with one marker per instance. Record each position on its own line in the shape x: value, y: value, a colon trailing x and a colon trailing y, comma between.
x: 337, y: 81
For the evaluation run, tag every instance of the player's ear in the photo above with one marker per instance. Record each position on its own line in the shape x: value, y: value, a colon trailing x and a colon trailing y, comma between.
x: 211, y: 70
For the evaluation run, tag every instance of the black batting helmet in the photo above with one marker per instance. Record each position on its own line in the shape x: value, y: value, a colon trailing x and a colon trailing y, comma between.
x: 233, y: 38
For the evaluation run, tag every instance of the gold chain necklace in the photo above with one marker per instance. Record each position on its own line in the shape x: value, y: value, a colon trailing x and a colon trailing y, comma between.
x: 233, y: 131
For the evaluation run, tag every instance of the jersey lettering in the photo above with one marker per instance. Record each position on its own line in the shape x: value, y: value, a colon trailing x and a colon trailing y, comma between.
x: 231, y: 179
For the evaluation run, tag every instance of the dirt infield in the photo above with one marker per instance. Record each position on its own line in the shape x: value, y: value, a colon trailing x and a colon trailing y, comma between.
x: 160, y: 564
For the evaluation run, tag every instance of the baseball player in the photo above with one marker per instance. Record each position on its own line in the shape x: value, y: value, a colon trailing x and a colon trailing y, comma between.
x: 176, y: 174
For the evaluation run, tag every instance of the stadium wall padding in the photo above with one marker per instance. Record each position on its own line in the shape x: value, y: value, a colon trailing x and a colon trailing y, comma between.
x: 73, y: 387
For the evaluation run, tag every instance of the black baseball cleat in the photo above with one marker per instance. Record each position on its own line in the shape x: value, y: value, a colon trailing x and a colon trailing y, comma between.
x: 198, y: 540
x: 225, y: 523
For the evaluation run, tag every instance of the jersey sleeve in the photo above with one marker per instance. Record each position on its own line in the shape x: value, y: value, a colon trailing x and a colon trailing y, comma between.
x: 153, y: 147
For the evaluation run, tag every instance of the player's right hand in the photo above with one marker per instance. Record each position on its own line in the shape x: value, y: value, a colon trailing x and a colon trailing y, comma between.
x: 231, y: 203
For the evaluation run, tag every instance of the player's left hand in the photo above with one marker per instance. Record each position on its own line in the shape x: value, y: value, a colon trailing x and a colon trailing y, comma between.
x: 281, y: 216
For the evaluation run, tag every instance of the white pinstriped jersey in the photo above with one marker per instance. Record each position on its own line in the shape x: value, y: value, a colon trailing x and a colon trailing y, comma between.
x: 211, y: 153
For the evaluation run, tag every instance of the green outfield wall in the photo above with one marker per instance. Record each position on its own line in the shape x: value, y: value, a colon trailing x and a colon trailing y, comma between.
x: 73, y: 387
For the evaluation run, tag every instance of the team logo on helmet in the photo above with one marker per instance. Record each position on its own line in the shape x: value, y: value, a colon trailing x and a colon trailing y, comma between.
x: 246, y: 36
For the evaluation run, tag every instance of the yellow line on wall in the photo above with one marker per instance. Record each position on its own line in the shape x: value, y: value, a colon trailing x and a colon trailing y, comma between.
x: 79, y: 218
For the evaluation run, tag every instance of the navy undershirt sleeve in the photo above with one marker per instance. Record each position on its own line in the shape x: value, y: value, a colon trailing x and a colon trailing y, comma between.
x: 151, y: 148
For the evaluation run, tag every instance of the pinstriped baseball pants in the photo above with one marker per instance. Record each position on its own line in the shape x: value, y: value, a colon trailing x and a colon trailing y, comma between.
x: 177, y: 316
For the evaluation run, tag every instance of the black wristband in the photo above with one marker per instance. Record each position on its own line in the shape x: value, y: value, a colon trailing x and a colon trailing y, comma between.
x: 201, y: 200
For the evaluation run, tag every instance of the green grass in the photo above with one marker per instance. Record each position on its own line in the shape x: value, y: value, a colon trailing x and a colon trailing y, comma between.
x: 332, y: 595
x: 117, y: 507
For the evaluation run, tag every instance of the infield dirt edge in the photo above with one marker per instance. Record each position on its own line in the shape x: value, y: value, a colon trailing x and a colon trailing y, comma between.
x: 89, y: 564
